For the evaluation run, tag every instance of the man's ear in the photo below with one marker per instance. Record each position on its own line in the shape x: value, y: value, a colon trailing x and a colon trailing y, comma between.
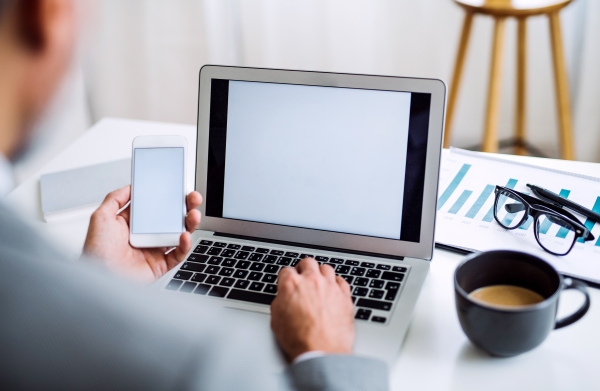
x: 30, y: 23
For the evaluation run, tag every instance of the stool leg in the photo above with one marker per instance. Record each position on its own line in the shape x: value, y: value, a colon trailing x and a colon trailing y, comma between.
x: 521, y: 85
x: 562, y: 88
x: 490, y: 137
x: 458, y: 67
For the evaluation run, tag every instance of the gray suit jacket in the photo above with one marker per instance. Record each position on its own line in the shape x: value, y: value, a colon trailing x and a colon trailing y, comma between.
x: 66, y: 325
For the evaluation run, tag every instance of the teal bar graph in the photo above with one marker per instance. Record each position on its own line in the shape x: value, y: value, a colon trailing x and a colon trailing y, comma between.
x: 480, y: 201
x: 489, y: 216
x: 546, y: 224
x: 508, y: 219
x: 527, y: 223
x: 590, y: 223
x: 460, y: 201
x: 453, y: 185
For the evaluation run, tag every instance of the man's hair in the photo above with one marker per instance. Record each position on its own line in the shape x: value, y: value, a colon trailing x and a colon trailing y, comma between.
x: 28, y: 15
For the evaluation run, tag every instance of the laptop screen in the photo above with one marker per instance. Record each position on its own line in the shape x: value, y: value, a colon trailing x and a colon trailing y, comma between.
x: 336, y: 159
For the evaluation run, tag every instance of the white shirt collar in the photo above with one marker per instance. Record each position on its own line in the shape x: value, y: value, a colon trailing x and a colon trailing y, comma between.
x: 7, y: 179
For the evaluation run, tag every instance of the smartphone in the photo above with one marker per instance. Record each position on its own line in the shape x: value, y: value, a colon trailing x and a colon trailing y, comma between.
x: 158, y: 191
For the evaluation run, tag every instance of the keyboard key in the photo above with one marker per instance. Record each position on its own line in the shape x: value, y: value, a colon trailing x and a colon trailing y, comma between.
x: 240, y: 274
x: 206, y: 242
x: 378, y: 319
x: 341, y: 269
x: 218, y: 291
x: 372, y: 273
x: 257, y: 267
x: 243, y: 284
x: 181, y: 275
x: 276, y: 252
x: 392, y: 290
x: 376, y: 294
x: 214, y: 251
x: 399, y: 269
x: 358, y: 271
x: 270, y: 288
x: 255, y: 257
x: 213, y: 280
x: 392, y: 285
x: 363, y: 314
x: 295, y: 262
x: 354, y: 299
x: 352, y: 263
x: 262, y: 250
x: 272, y: 269
x: 348, y: 279
x: 227, y: 282
x: 193, y: 267
x: 226, y: 272
x: 321, y: 258
x: 270, y: 259
x: 256, y: 286
x: 252, y: 297
x: 302, y: 256
x: 392, y: 276
x: 242, y: 265
x: 242, y: 255
x: 358, y: 291
x: 361, y: 281
x: 212, y: 270
x: 374, y: 304
x: 228, y: 253
x: 202, y: 289
x: 188, y: 287
x: 368, y: 265
x: 173, y: 285
x: 234, y: 246
x: 248, y: 248
x: 284, y: 261
x: 391, y: 295
x: 383, y: 267
x: 291, y: 254
x: 270, y: 278
x: 229, y: 262
x: 220, y: 244
x: 199, y: 277
x: 200, y: 249
x: 378, y: 284
x: 255, y: 276
x: 339, y: 261
x: 197, y: 258
x: 214, y: 260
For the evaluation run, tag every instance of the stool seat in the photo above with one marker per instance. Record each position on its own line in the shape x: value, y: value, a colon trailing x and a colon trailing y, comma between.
x: 522, y: 8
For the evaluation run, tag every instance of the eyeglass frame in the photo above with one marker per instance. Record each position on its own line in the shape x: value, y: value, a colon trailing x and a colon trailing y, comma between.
x: 542, y: 207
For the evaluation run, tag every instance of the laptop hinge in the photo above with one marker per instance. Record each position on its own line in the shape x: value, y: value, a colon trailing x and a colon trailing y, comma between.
x: 313, y: 246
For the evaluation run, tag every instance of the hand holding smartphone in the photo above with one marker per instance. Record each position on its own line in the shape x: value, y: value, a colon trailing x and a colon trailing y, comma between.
x: 158, y: 191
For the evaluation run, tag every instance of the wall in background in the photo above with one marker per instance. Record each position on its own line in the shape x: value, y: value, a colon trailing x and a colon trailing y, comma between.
x: 144, y: 56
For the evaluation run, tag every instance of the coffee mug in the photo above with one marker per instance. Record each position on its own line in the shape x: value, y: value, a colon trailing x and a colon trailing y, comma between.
x: 509, y: 331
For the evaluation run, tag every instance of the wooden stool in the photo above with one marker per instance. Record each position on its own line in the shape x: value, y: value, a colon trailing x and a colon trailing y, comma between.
x: 500, y: 10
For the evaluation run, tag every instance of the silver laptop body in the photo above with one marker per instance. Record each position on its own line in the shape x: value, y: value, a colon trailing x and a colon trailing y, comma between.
x: 341, y: 167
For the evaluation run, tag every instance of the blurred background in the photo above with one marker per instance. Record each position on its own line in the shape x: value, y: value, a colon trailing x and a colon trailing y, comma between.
x: 140, y: 59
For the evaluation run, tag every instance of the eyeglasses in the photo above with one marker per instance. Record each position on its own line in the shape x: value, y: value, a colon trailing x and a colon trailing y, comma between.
x: 555, y: 229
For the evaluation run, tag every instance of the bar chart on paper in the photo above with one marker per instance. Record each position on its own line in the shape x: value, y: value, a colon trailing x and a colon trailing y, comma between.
x: 465, y: 209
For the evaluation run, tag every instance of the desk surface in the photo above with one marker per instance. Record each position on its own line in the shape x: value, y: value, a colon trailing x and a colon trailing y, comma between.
x: 436, y: 354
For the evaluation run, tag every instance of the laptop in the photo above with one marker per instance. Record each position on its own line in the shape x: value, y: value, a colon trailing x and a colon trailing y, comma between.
x: 339, y: 167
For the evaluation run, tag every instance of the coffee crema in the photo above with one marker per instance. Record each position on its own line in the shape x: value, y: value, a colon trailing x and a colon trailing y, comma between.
x: 506, y: 296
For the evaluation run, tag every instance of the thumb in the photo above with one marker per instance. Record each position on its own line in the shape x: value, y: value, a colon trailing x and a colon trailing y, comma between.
x: 115, y: 200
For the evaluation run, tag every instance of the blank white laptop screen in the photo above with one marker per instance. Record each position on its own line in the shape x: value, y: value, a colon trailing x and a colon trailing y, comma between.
x: 324, y: 158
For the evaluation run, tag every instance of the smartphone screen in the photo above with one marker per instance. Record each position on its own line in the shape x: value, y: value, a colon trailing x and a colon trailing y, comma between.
x: 157, y: 199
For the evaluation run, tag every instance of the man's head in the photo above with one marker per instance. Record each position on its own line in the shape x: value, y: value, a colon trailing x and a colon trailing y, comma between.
x: 36, y: 43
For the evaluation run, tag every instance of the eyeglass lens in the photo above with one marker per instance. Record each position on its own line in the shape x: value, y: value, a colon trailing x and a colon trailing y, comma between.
x: 555, y: 234
x: 509, y: 210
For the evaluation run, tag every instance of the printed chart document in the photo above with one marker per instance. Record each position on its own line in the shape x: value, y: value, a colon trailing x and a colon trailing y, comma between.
x: 465, y: 209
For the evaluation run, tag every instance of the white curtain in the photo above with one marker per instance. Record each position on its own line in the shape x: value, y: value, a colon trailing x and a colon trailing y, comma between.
x: 143, y: 56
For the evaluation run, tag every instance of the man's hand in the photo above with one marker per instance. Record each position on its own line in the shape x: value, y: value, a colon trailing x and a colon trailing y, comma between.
x: 108, y: 239
x: 313, y: 310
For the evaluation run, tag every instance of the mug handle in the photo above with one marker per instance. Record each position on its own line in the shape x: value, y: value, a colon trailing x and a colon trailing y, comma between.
x: 580, y: 286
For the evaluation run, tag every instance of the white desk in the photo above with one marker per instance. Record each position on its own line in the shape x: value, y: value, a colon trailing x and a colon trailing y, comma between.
x: 436, y: 354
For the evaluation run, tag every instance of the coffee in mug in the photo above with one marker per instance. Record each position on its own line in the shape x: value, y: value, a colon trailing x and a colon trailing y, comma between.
x: 506, y: 296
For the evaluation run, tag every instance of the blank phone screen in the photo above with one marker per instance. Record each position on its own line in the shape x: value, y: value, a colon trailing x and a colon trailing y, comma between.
x: 157, y: 199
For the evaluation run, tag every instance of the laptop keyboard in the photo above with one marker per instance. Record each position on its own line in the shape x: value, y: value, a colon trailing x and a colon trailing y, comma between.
x: 249, y: 274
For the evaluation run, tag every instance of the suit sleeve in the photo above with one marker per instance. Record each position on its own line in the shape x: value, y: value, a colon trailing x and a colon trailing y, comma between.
x: 339, y: 373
